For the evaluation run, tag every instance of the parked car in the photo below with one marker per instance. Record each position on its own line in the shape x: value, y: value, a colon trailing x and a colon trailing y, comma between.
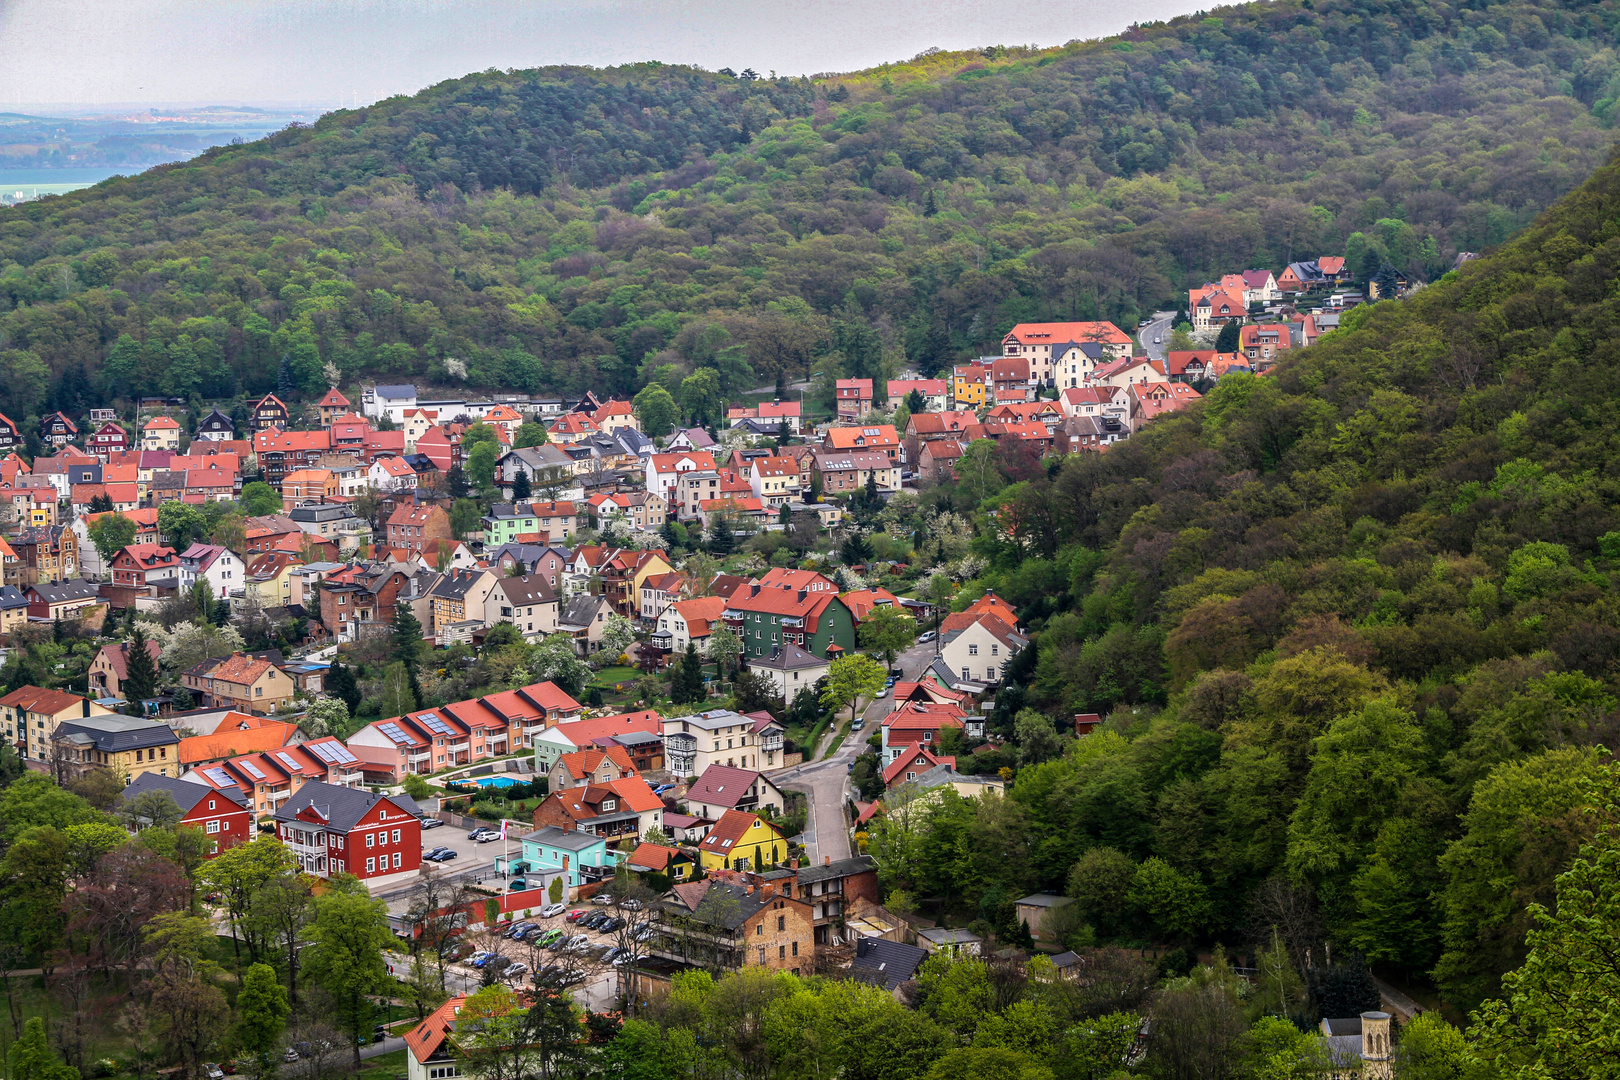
x: 577, y: 914
x: 515, y: 971
x: 631, y: 905
x: 860, y: 722
x: 593, y: 921
x: 560, y: 943
x: 610, y: 926
x: 602, y: 898
x: 213, y: 1071
x: 517, y: 885
x: 883, y: 693
x: 614, y: 953
x: 552, y: 910
x: 519, y: 929
x: 625, y: 958
x: 488, y: 836
x: 579, y: 943
x: 290, y: 1056
x: 547, y: 937
x: 926, y: 636
x: 476, y: 831
x: 644, y: 934
x: 432, y: 822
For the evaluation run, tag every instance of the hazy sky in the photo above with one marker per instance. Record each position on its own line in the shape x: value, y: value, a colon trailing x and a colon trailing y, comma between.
x: 348, y: 51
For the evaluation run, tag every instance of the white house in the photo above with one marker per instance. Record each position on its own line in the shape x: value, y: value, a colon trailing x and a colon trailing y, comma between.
x: 219, y: 566
x: 390, y: 473
x: 978, y: 647
x: 789, y: 669
x: 379, y: 401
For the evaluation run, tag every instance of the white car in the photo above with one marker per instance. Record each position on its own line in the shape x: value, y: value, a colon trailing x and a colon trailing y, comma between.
x: 578, y: 943
x: 487, y: 836
x: 512, y: 971
x: 552, y: 909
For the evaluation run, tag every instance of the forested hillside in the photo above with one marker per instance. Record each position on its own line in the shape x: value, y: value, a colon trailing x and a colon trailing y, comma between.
x: 566, y: 229
x: 1357, y: 626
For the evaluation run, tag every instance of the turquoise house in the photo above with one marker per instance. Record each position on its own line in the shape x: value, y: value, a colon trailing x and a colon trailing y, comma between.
x: 582, y: 858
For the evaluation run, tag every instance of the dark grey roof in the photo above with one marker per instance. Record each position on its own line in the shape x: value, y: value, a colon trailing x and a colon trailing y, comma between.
x: 187, y: 793
x: 342, y: 807
x: 12, y: 597
x: 636, y: 738
x: 396, y: 392
x: 1046, y: 900
x: 788, y: 657
x: 112, y: 733
x: 68, y: 590
x: 884, y: 962
x: 567, y: 839
x: 581, y: 610
x: 217, y: 421
x: 319, y: 512
x: 1065, y: 960
x: 841, y: 868
x: 716, y: 908
x: 456, y: 584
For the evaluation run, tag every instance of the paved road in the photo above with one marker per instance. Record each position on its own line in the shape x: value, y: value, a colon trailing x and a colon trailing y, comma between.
x: 826, y: 831
x: 1159, y: 328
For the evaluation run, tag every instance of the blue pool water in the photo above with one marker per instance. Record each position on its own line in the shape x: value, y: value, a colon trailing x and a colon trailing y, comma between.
x: 496, y: 781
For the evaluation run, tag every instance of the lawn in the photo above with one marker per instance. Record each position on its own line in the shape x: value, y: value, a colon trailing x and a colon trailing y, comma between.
x: 617, y: 674
x: 383, y: 1066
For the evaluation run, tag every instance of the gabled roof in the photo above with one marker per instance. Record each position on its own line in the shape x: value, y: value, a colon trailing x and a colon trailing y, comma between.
x: 653, y: 857
x: 1048, y: 333
x: 721, y: 785
x: 701, y: 615
x: 916, y: 756
x: 583, y: 763
x: 186, y: 793
x: 341, y: 807
x: 885, y: 963
x: 333, y: 400
x: 736, y: 829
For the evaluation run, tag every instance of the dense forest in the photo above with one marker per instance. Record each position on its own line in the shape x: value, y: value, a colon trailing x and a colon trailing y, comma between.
x: 1356, y: 628
x: 570, y: 229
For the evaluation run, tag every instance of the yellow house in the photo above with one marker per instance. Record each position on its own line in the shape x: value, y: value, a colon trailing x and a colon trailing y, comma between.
x: 270, y: 578
x: 244, y: 683
x: 29, y: 716
x: 967, y: 385
x: 742, y: 841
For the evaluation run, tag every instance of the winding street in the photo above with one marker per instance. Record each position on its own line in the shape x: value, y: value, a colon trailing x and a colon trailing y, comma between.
x: 1159, y: 328
x: 826, y: 829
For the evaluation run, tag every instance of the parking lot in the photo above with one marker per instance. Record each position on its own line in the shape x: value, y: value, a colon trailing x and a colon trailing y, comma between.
x: 527, y: 952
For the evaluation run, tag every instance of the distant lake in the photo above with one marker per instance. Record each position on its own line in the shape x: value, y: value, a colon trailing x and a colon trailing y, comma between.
x: 22, y: 185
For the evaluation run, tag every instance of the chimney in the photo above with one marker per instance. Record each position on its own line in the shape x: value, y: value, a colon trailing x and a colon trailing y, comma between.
x: 750, y: 889
x: 826, y: 860
x: 793, y: 864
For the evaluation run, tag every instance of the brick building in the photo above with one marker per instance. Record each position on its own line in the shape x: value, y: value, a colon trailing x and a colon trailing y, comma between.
x: 222, y: 815
x: 734, y: 923
x: 335, y: 830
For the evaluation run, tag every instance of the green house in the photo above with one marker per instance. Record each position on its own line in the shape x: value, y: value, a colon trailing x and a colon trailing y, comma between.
x: 765, y: 616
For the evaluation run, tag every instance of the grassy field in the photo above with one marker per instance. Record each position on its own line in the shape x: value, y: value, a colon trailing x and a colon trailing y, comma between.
x: 617, y: 674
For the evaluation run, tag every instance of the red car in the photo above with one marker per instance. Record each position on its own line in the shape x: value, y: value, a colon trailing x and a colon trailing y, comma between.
x: 574, y: 916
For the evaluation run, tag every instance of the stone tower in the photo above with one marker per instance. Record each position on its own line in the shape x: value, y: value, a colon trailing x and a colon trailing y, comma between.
x: 1375, y: 1046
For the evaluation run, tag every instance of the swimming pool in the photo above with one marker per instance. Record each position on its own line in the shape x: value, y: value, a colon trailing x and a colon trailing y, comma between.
x: 497, y: 781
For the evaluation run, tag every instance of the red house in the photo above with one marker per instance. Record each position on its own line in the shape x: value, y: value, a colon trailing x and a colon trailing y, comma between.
x: 140, y: 565
x: 337, y: 830
x: 109, y: 439
x: 222, y: 816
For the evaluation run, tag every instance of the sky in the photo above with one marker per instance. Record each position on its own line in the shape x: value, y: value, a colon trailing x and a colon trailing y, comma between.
x: 347, y: 52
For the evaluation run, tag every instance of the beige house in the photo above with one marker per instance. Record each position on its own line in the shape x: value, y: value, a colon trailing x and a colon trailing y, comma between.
x: 244, y: 683
x: 527, y: 603
x: 160, y: 433
x: 29, y: 716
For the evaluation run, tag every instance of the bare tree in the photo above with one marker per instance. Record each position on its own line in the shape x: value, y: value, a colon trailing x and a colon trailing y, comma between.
x: 438, y: 910
x: 1291, y: 910
x: 1195, y: 1034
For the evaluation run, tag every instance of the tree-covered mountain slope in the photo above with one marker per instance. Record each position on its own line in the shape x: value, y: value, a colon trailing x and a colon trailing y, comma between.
x: 566, y: 229
x: 1358, y: 622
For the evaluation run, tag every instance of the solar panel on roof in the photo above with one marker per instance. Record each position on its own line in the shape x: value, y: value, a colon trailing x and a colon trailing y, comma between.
x: 287, y: 760
x: 251, y: 769
x: 218, y: 776
x: 393, y: 732
x: 434, y: 724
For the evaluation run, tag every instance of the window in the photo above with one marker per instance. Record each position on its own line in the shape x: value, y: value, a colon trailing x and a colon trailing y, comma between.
x: 973, y: 650
x: 213, y: 827
x: 990, y: 673
x: 781, y: 922
x: 781, y: 952
x: 795, y: 948
x: 371, y: 866
x: 371, y: 839
x: 396, y: 836
x: 396, y: 860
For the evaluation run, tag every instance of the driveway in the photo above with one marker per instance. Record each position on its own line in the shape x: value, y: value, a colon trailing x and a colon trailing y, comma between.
x: 1160, y: 328
x: 473, y: 862
x: 826, y: 830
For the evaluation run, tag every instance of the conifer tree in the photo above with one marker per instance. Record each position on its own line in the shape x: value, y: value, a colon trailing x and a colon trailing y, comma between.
x: 521, y: 488
x: 140, y: 679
